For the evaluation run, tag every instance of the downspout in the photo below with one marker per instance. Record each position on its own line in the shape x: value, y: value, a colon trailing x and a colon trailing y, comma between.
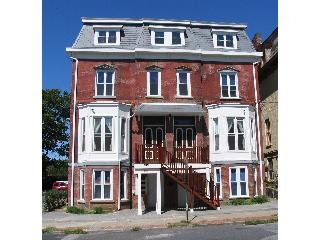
x: 258, y: 124
x: 73, y: 128
x: 129, y: 148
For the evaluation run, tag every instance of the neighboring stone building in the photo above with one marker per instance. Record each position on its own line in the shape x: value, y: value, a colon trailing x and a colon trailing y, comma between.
x: 268, y: 77
x: 161, y: 109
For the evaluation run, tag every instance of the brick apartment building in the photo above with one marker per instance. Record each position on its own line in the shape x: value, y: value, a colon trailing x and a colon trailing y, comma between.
x: 268, y: 80
x: 161, y: 110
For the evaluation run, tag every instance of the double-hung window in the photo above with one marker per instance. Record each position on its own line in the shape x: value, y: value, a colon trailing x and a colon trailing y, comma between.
x: 217, y: 180
x: 216, y: 134
x: 238, y: 182
x: 83, y: 134
x: 154, y: 83
x: 105, y: 83
x: 229, y: 85
x: 236, y: 138
x: 183, y: 84
x: 253, y: 135
x: 102, y: 137
x: 102, y: 184
x: 123, y: 135
x: 176, y: 38
x: 107, y: 37
x: 81, y: 197
x: 158, y: 37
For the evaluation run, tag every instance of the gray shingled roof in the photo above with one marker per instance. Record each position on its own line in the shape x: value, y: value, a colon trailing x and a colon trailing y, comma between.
x: 138, y: 36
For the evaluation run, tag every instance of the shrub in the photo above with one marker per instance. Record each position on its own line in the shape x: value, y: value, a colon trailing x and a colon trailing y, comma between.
x: 54, y: 199
x: 98, y: 210
x: 136, y: 229
x: 260, y: 199
x: 240, y: 201
x: 75, y: 210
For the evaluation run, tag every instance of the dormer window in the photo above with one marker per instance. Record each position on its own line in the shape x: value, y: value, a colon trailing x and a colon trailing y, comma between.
x: 224, y: 39
x: 107, y: 35
x: 167, y: 36
x: 176, y: 38
x: 159, y: 37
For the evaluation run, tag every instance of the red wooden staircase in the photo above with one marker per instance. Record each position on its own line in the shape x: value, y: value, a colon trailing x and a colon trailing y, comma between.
x: 193, y: 182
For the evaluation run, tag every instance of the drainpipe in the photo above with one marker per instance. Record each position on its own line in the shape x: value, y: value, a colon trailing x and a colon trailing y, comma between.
x: 258, y: 122
x: 73, y: 128
x: 119, y: 180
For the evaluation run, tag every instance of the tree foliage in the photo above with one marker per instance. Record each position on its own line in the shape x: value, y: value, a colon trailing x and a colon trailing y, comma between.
x: 55, y: 124
x: 55, y: 135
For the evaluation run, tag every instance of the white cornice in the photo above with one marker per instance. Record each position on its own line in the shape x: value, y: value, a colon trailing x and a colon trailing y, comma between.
x: 150, y: 21
x: 163, y: 50
x: 166, y: 27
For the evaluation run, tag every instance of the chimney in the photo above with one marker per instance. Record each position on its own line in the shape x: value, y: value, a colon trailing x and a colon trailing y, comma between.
x: 257, y: 41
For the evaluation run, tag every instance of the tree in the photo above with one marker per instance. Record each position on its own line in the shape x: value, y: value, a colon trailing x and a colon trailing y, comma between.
x: 55, y: 133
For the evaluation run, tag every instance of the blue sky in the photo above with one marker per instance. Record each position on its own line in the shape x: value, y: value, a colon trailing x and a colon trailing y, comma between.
x: 61, y: 22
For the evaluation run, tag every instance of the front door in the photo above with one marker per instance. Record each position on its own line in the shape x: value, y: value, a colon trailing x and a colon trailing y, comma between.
x: 184, y: 137
x: 154, y: 138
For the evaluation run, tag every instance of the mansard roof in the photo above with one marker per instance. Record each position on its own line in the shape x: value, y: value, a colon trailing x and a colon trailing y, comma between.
x: 135, y: 34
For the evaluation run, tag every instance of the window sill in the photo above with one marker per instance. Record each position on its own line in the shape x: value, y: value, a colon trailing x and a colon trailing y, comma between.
x: 113, y: 97
x: 81, y: 201
x: 230, y: 98
x: 159, y: 97
x: 102, y: 201
x: 186, y: 97
x: 233, y: 197
x: 124, y: 200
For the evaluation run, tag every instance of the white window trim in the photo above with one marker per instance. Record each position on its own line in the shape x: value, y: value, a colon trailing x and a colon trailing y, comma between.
x: 228, y: 80
x: 115, y: 28
x: 253, y: 134
x: 216, y: 132
x: 167, y: 33
x: 83, y: 132
x: 103, y: 134
x: 81, y: 182
x: 238, y: 182
x: 105, y: 83
x: 159, y: 83
x: 102, y: 184
x: 215, y: 180
x: 125, y: 193
x: 125, y: 145
x: 224, y: 33
x: 237, y: 134
x: 188, y: 83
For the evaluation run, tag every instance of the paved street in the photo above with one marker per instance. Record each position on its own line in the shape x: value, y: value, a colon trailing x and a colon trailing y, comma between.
x: 210, y: 232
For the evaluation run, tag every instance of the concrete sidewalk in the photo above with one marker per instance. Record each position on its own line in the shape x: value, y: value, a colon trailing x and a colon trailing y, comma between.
x: 128, y: 218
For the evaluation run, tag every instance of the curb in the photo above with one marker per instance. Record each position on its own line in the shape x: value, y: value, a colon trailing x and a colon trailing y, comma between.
x: 164, y: 224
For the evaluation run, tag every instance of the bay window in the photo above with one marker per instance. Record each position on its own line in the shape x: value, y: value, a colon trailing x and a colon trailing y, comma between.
x: 216, y: 134
x: 102, y: 134
x: 236, y: 138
